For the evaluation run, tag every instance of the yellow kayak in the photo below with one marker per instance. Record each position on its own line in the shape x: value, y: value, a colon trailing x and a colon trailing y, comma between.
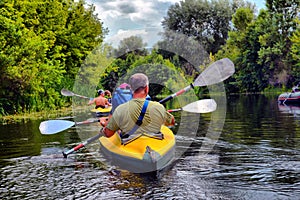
x: 142, y: 155
x: 100, y: 112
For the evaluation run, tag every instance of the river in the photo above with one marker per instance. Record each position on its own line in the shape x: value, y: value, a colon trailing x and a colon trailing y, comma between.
x: 256, y: 156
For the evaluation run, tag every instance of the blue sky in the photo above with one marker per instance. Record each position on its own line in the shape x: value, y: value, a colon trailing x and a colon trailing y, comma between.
x: 125, y: 18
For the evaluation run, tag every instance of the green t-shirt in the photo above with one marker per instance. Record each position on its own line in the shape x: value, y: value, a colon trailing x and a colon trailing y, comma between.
x: 126, y: 115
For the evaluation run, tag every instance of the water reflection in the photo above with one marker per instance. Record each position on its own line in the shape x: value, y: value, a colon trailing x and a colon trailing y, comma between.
x: 256, y: 157
x: 293, y: 110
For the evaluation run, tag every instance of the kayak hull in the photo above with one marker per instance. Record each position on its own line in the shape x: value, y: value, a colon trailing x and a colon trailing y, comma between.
x: 101, y: 112
x: 289, y: 98
x: 290, y: 109
x: 142, y: 155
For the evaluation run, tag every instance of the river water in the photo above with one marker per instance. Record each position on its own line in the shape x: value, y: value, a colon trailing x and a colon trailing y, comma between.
x: 257, y: 156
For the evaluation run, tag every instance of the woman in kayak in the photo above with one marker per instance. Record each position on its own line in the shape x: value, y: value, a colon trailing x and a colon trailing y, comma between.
x: 107, y: 94
x: 125, y: 117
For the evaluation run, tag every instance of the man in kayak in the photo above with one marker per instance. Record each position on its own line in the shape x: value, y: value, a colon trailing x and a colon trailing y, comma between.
x: 126, y: 115
x: 100, y: 101
x: 121, y: 95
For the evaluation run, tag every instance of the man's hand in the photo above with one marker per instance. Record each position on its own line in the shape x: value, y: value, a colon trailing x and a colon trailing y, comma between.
x: 103, y: 121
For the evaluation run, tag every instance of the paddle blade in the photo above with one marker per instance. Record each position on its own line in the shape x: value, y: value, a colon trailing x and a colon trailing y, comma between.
x: 66, y: 93
x: 201, y: 106
x: 54, y: 126
x: 215, y: 73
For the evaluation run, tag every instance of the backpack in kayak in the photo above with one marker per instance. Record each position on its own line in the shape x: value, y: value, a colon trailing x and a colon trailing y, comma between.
x: 119, y: 97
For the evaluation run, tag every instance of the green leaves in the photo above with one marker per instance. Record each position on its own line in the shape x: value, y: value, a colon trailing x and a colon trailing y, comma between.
x: 205, y: 21
x: 295, y: 53
x: 43, y: 44
x: 262, y: 48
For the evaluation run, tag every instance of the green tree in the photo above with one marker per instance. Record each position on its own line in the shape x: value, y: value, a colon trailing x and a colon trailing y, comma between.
x: 97, y: 64
x: 160, y: 71
x: 295, y: 54
x: 275, y: 41
x: 260, y: 47
x: 186, y: 53
x: 41, y: 42
x: 206, y: 21
x: 132, y: 43
x: 233, y: 48
x: 128, y: 51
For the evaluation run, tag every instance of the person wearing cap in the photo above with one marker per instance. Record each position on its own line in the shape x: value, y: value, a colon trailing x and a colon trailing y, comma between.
x: 100, y: 101
x: 125, y: 116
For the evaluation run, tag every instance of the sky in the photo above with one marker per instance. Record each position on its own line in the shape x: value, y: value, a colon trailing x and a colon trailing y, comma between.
x: 124, y: 18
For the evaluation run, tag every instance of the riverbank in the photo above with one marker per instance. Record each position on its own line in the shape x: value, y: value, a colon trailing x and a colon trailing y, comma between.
x: 67, y: 111
x: 47, y: 114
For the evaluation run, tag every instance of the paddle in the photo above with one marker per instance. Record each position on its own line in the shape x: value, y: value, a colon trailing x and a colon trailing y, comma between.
x: 54, y: 126
x: 215, y: 73
x: 68, y: 93
x: 88, y: 141
x: 50, y: 127
x: 287, y: 96
x: 200, y: 106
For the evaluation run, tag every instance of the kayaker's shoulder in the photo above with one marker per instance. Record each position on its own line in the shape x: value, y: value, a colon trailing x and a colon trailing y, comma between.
x: 157, y: 105
x: 141, y: 102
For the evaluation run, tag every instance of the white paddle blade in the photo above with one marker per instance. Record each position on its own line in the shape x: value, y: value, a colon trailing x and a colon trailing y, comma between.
x: 54, y: 126
x: 66, y: 93
x: 215, y: 73
x: 201, y: 106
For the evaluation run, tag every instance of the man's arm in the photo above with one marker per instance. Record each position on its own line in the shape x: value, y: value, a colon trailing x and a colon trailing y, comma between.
x: 107, y: 132
x: 111, y: 125
x: 92, y: 101
x: 170, y: 120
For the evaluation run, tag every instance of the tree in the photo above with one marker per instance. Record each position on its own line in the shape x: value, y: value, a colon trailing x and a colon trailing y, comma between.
x: 295, y: 54
x: 132, y: 43
x: 251, y: 76
x: 41, y: 42
x: 242, y: 18
x: 128, y: 51
x: 233, y: 49
x: 260, y: 48
x: 206, y: 21
x: 185, y: 52
x: 275, y: 42
x: 162, y: 74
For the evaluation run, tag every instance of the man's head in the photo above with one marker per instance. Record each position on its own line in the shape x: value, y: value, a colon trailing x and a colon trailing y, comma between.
x: 138, y: 81
x: 100, y: 92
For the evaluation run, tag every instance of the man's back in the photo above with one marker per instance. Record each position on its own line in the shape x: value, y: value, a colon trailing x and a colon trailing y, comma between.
x: 126, y: 115
x: 101, y: 101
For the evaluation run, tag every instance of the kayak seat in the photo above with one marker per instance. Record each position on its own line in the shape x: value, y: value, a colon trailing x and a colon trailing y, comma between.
x: 129, y: 138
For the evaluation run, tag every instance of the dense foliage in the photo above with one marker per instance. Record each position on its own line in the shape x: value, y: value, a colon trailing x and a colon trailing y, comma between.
x: 206, y: 21
x: 43, y: 43
x: 265, y: 48
x: 52, y: 44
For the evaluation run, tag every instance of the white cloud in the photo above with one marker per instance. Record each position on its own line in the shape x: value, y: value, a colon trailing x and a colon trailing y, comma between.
x: 148, y: 35
x: 124, y: 18
x: 121, y: 34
